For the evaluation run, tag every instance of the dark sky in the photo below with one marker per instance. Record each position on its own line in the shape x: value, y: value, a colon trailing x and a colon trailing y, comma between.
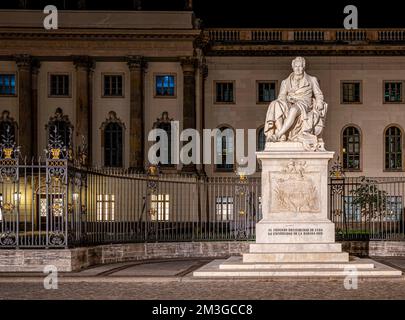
x: 257, y: 13
x: 304, y: 13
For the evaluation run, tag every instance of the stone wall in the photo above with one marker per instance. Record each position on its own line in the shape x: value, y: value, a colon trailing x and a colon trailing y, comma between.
x: 66, y: 260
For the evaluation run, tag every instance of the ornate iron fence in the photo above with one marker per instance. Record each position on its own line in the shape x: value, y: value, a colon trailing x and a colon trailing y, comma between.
x: 365, y: 208
x: 53, y: 203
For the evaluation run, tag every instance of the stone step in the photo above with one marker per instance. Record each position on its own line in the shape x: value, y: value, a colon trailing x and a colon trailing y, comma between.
x: 265, y: 266
x: 215, y: 269
x: 294, y: 247
x: 296, y: 257
x: 296, y: 273
x: 235, y: 262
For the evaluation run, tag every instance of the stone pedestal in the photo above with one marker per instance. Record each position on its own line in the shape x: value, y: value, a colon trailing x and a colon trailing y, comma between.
x: 295, y: 238
x: 294, y: 207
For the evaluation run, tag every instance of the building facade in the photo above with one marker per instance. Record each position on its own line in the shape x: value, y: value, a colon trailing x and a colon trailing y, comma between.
x: 105, y: 79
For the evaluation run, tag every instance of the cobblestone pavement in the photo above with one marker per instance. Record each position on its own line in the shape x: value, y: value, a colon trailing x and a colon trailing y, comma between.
x: 172, y: 280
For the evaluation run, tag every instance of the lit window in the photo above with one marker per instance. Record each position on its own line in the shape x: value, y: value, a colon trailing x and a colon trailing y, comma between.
x: 1, y: 206
x: 165, y: 86
x: 224, y: 92
x: 160, y: 205
x: 54, y: 204
x: 224, y: 208
x: 7, y: 84
x: 105, y: 207
x: 393, y: 92
x: 351, y: 92
x: 59, y: 85
x: 113, y: 85
x: 266, y: 91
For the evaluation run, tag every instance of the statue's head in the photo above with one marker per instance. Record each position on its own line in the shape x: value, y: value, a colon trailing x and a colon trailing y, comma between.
x: 298, y: 65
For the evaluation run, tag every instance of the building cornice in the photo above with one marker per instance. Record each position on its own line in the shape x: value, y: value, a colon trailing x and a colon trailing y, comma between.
x: 188, y: 35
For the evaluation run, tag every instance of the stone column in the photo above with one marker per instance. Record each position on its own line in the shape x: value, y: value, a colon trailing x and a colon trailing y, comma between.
x: 84, y: 88
x: 34, y: 101
x: 203, y: 68
x: 189, y: 100
x: 136, y: 66
x: 25, y: 115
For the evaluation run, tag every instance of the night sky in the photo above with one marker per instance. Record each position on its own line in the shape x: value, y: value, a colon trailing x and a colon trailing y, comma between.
x: 256, y: 13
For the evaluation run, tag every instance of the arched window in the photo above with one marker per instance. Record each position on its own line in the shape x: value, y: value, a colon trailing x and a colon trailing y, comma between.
x: 113, y: 133
x: 261, y: 143
x: 164, y: 123
x: 8, y: 129
x: 261, y: 139
x: 351, y: 148
x: 393, y: 148
x: 225, y: 149
x: 60, y: 127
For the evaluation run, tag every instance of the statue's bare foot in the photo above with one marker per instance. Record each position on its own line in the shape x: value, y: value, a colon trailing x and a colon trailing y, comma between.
x: 283, y: 138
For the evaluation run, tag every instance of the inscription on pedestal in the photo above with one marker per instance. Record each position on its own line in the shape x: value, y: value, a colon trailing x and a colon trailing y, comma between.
x: 295, y: 232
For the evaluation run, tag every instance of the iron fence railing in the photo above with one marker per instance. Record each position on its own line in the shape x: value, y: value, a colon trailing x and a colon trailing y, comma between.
x: 53, y: 204
x: 365, y: 208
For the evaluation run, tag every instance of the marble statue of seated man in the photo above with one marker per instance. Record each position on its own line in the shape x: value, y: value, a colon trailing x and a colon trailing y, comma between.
x: 298, y: 113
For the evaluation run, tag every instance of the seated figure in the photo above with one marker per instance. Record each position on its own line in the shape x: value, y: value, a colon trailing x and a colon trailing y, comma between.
x: 299, y: 112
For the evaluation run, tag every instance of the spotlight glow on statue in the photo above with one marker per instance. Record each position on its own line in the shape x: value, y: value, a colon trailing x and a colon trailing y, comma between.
x: 299, y: 112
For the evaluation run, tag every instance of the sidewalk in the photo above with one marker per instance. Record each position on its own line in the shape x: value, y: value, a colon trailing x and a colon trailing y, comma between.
x: 172, y: 280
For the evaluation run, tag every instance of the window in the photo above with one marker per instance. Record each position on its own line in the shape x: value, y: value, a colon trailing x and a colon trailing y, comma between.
x: 266, y: 91
x: 165, y: 123
x: 8, y: 130
x: 1, y: 206
x: 7, y: 84
x: 351, y: 92
x: 352, y: 209
x: 165, y: 86
x: 261, y: 143
x: 224, y: 92
x: 393, y: 92
x: 113, y: 85
x: 105, y: 204
x: 54, y: 204
x: 159, y: 207
x: 60, y: 128
x: 224, y: 208
x: 113, y: 145
x: 59, y: 85
x: 224, y: 149
x: 394, y: 208
x: 351, y: 148
x: 393, y: 148
x: 62, y: 131
x: 261, y: 139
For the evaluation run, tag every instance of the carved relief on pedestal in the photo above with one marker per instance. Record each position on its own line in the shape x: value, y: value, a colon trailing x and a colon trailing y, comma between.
x: 293, y: 190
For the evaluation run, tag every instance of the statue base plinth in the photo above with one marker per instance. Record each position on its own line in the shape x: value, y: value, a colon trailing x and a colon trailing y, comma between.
x: 295, y: 238
x: 294, y: 207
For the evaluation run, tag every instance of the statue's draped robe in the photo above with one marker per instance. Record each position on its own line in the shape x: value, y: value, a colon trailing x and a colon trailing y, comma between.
x: 307, y: 94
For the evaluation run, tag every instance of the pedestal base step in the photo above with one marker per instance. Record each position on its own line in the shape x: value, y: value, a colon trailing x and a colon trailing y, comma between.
x: 286, y: 257
x: 295, y: 247
x: 234, y: 267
